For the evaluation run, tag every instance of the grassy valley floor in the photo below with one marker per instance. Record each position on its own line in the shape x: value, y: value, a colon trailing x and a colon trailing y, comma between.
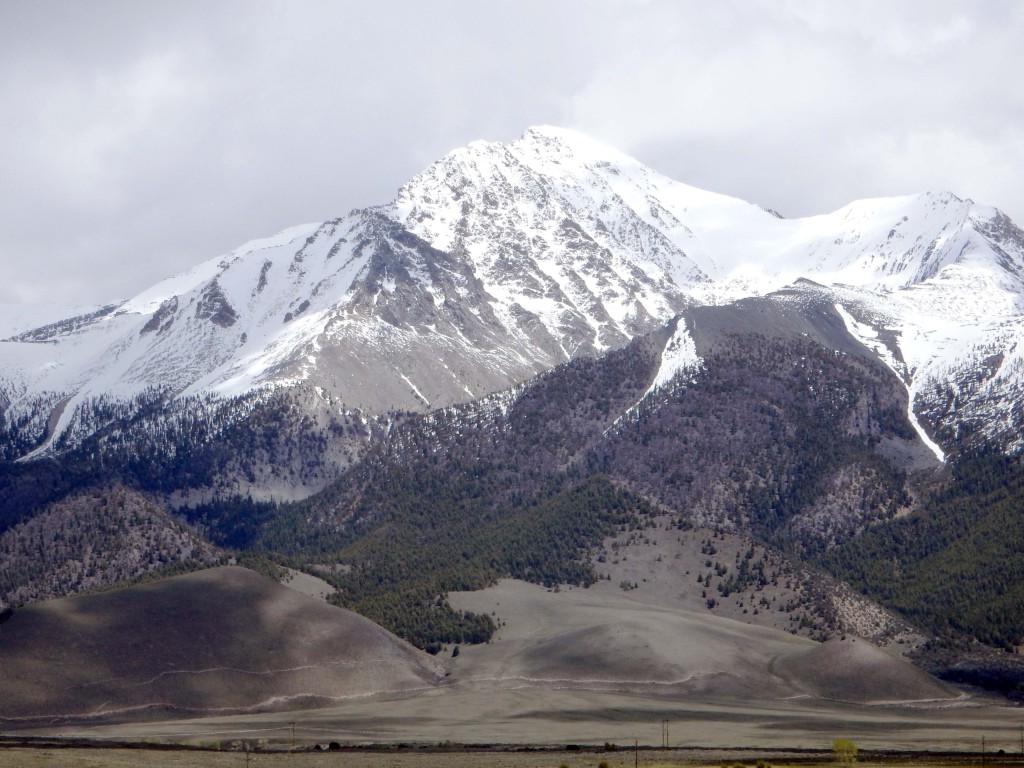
x: 77, y: 757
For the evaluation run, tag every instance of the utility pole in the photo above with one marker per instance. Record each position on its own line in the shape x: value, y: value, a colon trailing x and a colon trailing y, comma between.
x: 292, y: 726
x: 636, y: 753
x: 664, y: 733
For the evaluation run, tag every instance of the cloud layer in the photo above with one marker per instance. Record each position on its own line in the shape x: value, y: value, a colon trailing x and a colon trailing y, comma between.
x: 140, y: 139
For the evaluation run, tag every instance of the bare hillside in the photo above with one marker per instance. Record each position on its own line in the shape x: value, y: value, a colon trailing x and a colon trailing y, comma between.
x: 605, y: 639
x: 220, y: 640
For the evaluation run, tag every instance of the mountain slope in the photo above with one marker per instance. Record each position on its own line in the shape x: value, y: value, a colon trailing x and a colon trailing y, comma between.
x: 605, y: 639
x: 798, y: 438
x: 783, y: 378
x: 954, y: 565
x: 227, y: 641
x: 212, y: 642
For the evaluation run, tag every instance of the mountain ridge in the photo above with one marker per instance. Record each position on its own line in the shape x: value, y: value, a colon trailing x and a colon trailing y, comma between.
x: 543, y: 360
x: 502, y: 260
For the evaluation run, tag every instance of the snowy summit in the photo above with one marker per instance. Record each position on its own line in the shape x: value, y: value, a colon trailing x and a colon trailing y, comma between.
x: 502, y: 260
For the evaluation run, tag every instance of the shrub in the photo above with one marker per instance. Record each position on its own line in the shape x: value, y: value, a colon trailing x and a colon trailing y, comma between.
x: 844, y: 751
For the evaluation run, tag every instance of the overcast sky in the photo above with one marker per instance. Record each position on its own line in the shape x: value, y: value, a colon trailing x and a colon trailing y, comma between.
x: 140, y: 138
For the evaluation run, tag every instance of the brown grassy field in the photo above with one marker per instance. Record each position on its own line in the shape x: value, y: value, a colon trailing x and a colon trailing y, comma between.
x: 76, y: 757
x: 567, y: 667
x: 595, y: 666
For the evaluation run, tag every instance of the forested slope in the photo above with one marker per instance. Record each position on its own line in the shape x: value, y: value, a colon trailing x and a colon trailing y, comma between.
x: 769, y: 437
x: 956, y: 565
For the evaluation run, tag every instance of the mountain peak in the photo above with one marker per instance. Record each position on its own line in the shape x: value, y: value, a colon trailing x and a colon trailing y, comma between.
x: 569, y: 140
x: 545, y: 149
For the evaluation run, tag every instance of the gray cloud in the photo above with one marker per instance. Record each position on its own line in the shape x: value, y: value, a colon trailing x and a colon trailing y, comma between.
x: 142, y: 138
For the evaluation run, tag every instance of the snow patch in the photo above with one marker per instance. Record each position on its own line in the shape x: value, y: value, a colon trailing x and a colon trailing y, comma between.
x: 679, y: 355
x: 415, y: 390
x: 868, y: 336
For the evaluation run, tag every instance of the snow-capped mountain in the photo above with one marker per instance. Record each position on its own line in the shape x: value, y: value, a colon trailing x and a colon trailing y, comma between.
x: 503, y: 260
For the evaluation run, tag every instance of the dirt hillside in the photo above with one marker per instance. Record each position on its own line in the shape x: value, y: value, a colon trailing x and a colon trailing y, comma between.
x: 220, y: 640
